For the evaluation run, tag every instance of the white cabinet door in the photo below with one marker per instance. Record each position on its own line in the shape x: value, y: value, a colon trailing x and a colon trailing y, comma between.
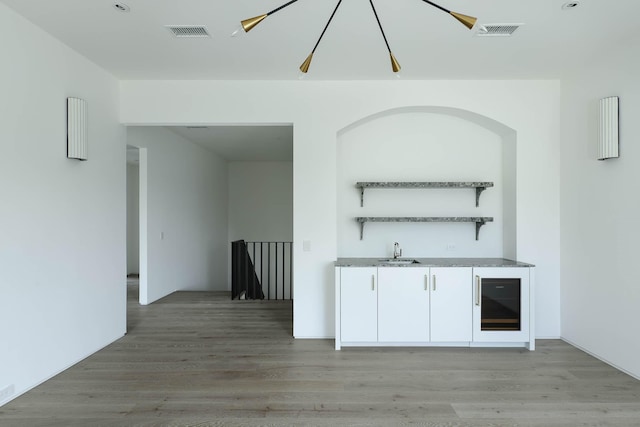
x: 451, y: 304
x: 358, y: 304
x: 501, y: 306
x: 403, y: 304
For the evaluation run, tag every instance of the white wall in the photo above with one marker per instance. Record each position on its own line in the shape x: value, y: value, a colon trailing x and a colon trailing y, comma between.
x: 319, y: 110
x: 133, y: 219
x: 261, y: 201
x: 186, y: 214
x: 62, y: 222
x: 419, y: 146
x: 599, y: 213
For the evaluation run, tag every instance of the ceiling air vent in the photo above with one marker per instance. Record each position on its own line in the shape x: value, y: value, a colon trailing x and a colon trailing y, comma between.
x: 189, y: 30
x: 497, y: 30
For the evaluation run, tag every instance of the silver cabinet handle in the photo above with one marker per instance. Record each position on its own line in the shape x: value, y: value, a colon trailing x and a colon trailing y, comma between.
x: 477, y: 290
x: 373, y: 282
x: 426, y: 282
x: 434, y: 282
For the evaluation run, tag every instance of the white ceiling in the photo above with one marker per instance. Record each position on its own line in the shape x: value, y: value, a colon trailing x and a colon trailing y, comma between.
x: 246, y: 143
x: 428, y: 43
x: 243, y: 143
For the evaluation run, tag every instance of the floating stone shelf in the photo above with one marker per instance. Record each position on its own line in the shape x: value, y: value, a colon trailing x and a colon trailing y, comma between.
x: 479, y: 221
x: 479, y: 186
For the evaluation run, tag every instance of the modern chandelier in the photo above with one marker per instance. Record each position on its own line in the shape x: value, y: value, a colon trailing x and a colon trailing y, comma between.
x: 248, y: 24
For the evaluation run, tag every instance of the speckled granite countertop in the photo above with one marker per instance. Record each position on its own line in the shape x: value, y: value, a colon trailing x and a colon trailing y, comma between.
x: 432, y: 262
x: 429, y: 184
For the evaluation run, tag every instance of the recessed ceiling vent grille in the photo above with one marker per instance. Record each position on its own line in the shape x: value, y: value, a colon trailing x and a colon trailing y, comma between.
x: 497, y: 30
x: 189, y: 30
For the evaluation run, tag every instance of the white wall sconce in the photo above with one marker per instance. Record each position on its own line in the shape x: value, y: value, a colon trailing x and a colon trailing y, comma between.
x: 608, y: 128
x: 77, y: 129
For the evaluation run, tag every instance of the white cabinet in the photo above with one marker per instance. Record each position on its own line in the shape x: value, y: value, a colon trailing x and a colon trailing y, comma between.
x: 358, y: 304
x: 403, y: 304
x: 451, y: 299
x: 430, y: 306
x: 501, y: 309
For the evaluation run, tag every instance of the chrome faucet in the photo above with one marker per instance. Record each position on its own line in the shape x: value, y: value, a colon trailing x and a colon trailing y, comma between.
x: 397, y: 252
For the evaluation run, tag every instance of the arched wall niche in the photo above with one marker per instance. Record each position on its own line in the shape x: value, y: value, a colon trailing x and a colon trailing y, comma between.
x: 427, y: 143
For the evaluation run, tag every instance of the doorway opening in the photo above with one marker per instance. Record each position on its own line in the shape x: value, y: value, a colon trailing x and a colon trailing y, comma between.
x: 136, y: 222
x: 133, y: 220
x: 209, y: 185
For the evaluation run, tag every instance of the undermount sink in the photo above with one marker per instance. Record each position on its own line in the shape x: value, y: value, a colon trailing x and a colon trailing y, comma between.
x: 398, y: 261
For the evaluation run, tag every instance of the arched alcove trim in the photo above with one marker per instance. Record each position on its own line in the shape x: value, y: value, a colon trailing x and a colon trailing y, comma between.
x: 508, y: 137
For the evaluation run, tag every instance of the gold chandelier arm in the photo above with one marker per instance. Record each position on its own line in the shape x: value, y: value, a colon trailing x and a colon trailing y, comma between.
x: 395, y: 66
x: 326, y: 26
x: 277, y: 9
x: 248, y: 24
x: 437, y: 6
x: 380, y: 25
x: 466, y: 20
x: 307, y: 62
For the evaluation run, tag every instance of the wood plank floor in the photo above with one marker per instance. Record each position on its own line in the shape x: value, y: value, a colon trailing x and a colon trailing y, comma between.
x: 198, y: 359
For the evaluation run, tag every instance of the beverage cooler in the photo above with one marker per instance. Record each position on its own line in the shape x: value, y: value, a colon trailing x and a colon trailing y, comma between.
x: 501, y: 305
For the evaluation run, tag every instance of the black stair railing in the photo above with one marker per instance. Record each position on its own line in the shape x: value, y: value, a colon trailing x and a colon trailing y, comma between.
x: 272, y: 264
x: 244, y: 282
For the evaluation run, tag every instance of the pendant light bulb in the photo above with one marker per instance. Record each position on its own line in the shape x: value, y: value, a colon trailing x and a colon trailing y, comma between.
x: 238, y: 31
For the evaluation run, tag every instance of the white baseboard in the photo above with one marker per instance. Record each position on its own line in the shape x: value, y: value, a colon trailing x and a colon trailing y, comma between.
x: 590, y: 353
x: 31, y: 387
x: 315, y: 338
